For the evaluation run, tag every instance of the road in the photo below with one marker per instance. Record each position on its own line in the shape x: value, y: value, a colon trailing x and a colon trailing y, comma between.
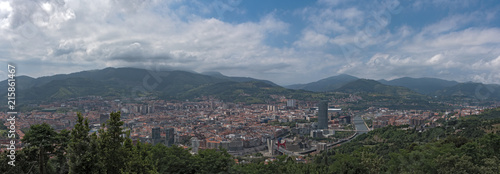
x: 360, y: 129
x: 284, y: 151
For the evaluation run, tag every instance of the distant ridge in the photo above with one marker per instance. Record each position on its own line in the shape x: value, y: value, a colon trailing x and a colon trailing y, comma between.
x: 476, y: 91
x: 421, y: 85
x: 236, y: 79
x: 123, y: 82
x: 109, y: 82
x: 328, y: 84
x: 174, y: 84
x: 375, y: 87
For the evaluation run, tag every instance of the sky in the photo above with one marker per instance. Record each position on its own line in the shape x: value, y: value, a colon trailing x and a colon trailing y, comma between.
x: 284, y: 41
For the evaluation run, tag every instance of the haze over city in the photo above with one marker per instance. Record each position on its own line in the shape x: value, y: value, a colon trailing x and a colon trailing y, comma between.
x: 286, y: 42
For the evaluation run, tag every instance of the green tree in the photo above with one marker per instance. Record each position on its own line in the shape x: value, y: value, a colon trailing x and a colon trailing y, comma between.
x: 456, y: 164
x: 372, y: 162
x: 43, y: 138
x: 491, y: 165
x: 173, y: 159
x: 140, y: 159
x: 60, y: 161
x: 112, y: 154
x: 22, y: 163
x: 213, y: 161
x: 81, y: 153
x: 490, y: 143
x: 347, y: 164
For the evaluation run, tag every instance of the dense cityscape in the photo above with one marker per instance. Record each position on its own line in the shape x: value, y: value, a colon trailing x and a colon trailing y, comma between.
x: 239, y: 128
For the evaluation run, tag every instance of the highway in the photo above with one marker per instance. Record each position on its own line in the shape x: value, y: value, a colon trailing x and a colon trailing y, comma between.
x: 360, y: 129
x: 284, y: 151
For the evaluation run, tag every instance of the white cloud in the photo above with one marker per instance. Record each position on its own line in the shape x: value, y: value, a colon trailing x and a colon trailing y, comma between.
x: 312, y: 39
x: 335, y: 21
x: 5, y: 14
x: 468, y: 37
x: 330, y: 3
x: 97, y: 34
x: 435, y: 59
x: 491, y: 65
x: 451, y: 23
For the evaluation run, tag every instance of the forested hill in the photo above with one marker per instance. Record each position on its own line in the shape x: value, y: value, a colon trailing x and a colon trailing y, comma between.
x: 126, y: 83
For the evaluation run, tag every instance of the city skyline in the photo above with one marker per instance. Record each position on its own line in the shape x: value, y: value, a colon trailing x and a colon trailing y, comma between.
x: 285, y: 42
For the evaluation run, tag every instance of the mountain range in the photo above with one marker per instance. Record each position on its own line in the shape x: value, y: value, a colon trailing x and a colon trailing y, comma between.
x: 120, y: 82
x: 134, y: 82
x: 237, y: 79
x: 375, y: 87
x: 328, y: 84
x: 471, y: 90
x: 426, y: 86
x: 421, y: 85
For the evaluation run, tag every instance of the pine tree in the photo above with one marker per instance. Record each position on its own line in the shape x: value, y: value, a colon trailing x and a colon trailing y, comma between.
x: 81, y: 153
x: 113, y: 155
x: 61, y: 164
x: 140, y: 158
x: 43, y: 138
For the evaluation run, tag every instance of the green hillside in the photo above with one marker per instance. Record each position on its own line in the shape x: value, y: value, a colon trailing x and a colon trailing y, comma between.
x: 69, y: 88
x: 477, y: 91
x: 237, y: 79
x: 133, y: 82
x: 374, y: 87
x: 251, y: 92
x: 116, y: 82
x: 375, y: 94
x: 327, y: 84
x: 421, y: 85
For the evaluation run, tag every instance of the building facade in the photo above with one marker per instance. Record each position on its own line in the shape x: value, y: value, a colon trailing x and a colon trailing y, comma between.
x: 323, y: 115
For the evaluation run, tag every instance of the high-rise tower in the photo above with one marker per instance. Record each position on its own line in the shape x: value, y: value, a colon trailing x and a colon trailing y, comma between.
x: 169, y: 137
x: 323, y: 115
x: 156, y: 135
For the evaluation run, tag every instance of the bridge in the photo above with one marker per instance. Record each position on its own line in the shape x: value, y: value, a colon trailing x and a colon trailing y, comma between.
x: 286, y: 152
x: 344, y: 130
